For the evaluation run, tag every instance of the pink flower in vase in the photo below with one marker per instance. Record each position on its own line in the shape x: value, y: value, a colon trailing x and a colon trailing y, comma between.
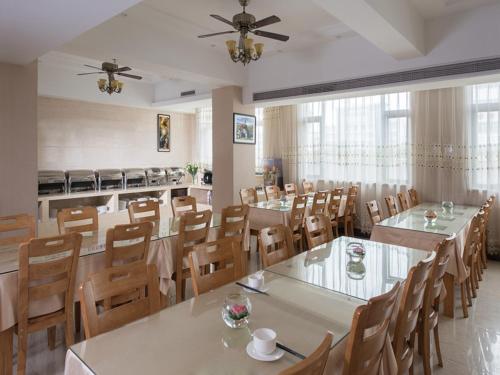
x: 238, y: 312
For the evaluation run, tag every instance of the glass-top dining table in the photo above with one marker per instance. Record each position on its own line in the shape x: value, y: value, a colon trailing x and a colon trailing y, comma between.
x: 311, y: 293
x: 409, y: 228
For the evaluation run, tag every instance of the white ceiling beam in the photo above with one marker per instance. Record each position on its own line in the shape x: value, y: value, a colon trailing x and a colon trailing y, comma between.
x: 394, y: 26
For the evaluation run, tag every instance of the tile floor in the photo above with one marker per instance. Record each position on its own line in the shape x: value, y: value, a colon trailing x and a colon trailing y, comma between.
x: 470, y: 346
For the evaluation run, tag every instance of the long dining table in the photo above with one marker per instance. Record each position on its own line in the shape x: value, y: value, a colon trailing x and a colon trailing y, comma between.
x: 162, y: 253
x: 409, y: 228
x: 309, y: 294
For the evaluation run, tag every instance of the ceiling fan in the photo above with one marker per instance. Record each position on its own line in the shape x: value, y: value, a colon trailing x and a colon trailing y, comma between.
x: 245, y: 23
x: 111, y: 85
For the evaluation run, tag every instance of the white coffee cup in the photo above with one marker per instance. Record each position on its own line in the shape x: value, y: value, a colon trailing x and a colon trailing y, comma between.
x: 264, y: 340
x: 256, y: 280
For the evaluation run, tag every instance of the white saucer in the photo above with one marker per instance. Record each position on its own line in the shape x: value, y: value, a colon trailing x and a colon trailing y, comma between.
x: 274, y: 356
x: 264, y: 289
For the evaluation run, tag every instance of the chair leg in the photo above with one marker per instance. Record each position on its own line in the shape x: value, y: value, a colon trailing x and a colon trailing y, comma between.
x: 468, y: 289
x: 22, y: 348
x: 78, y: 317
x: 411, y: 345
x: 437, y: 345
x: 178, y: 289
x: 51, y: 337
x: 464, y: 302
x: 69, y: 336
x: 426, y: 350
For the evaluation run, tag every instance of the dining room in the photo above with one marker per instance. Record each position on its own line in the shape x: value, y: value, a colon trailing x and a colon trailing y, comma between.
x: 249, y: 187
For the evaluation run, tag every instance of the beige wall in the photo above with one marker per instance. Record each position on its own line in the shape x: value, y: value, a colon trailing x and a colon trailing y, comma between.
x: 18, y: 134
x: 77, y: 134
x: 233, y: 164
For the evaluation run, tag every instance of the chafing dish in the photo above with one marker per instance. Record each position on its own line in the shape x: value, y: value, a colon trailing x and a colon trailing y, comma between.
x: 51, y: 182
x: 156, y: 176
x: 174, y: 175
x: 109, y: 179
x: 134, y: 177
x: 81, y: 180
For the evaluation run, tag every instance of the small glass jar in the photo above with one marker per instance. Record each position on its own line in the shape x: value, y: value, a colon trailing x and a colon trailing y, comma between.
x: 430, y: 216
x: 447, y: 208
x: 236, y: 310
x: 356, y: 251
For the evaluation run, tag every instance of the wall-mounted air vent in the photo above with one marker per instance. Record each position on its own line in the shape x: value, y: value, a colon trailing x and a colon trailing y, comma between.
x: 187, y: 93
x: 384, y: 79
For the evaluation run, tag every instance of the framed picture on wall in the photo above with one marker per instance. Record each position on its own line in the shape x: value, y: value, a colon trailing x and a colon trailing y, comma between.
x: 244, y: 129
x: 163, y: 130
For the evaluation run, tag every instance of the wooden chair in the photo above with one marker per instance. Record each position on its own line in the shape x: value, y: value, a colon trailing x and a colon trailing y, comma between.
x: 409, y: 309
x: 392, y: 208
x: 348, y: 218
x: 142, y: 211
x: 486, y: 208
x: 291, y: 189
x: 276, y: 244
x: 128, y: 243
x: 234, y: 224
x: 374, y: 212
x: 338, y: 192
x: 403, y: 201
x: 318, y: 230
x: 248, y: 196
x: 333, y: 210
x: 193, y: 230
x: 47, y: 268
x: 471, y: 261
x: 112, y: 283
x: 413, y: 197
x: 225, y: 255
x: 272, y: 192
x: 320, y: 203
x: 315, y: 363
x: 429, y: 314
x: 308, y: 187
x: 369, y: 335
x: 296, y: 222
x: 79, y: 220
x: 182, y: 204
x: 16, y: 229
x: 353, y: 190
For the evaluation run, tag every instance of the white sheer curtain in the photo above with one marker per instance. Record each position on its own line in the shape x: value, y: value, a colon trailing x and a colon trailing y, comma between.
x: 202, y: 152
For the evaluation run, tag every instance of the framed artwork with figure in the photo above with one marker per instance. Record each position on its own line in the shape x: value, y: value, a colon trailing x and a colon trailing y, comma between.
x: 163, y: 130
x: 244, y: 129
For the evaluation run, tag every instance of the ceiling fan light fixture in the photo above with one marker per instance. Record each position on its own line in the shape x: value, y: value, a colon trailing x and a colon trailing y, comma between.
x: 259, y: 48
x: 248, y: 44
x: 231, y: 46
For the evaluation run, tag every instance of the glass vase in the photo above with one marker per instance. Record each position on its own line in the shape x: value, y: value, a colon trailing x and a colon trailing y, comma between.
x: 236, y: 310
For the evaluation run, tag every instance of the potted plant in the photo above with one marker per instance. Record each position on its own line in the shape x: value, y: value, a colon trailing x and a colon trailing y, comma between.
x: 192, y: 169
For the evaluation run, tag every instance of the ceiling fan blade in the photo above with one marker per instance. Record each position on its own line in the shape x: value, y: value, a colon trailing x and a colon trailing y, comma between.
x: 223, y: 32
x: 123, y: 69
x: 129, y: 75
x: 265, y: 21
x: 222, y: 19
x: 90, y: 66
x: 267, y: 34
x: 84, y: 74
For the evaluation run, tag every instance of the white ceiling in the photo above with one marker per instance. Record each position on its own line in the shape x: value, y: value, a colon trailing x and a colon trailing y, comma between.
x: 436, y: 8
x: 29, y: 29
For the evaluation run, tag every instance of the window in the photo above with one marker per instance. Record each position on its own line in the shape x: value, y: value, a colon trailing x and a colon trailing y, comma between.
x: 484, y: 101
x: 355, y: 139
x: 259, y: 142
x: 203, y: 148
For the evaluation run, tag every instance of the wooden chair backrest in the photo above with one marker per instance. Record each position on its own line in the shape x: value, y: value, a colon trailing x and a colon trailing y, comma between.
x: 47, y: 268
x: 403, y: 201
x: 81, y: 220
x: 112, y: 283
x: 353, y: 190
x: 374, y: 212
x: 182, y: 204
x: 234, y: 221
x: 225, y: 255
x: 140, y: 212
x: 16, y: 229
x: 298, y: 212
x: 350, y: 206
x: 471, y: 241
x: 248, y: 196
x: 272, y: 192
x: 318, y: 230
x: 338, y: 192
x: 392, y: 208
x: 320, y: 203
x: 291, y: 189
x: 369, y: 334
x: 276, y: 244
x: 413, y: 197
x: 411, y: 303
x: 128, y: 243
x: 435, y: 284
x: 308, y: 187
x: 315, y: 363
x: 334, y: 205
